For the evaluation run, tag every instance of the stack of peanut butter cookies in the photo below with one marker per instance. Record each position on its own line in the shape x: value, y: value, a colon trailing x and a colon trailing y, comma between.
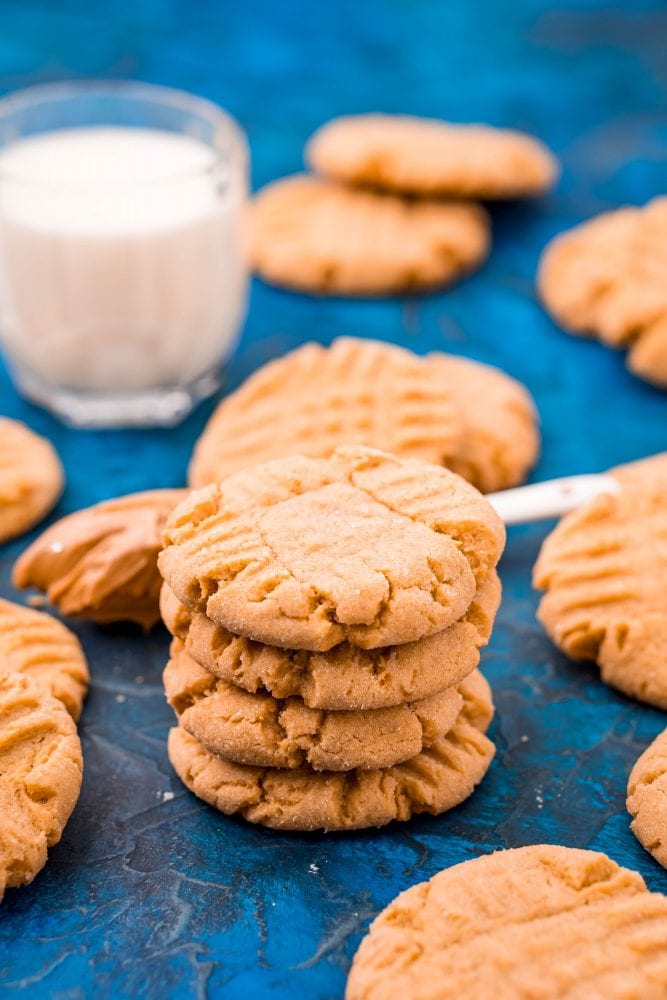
x: 327, y: 616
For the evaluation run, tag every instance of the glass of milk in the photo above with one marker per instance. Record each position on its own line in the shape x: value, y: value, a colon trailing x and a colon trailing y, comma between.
x: 123, y: 273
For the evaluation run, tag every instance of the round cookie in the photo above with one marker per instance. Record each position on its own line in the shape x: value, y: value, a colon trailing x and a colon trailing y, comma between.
x: 647, y: 799
x: 31, y: 478
x: 604, y: 570
x: 259, y: 730
x: 307, y: 553
x: 434, y: 781
x: 541, y: 922
x: 346, y: 677
x: 451, y: 411
x: 42, y: 648
x: 101, y: 563
x: 423, y: 156
x: 606, y: 278
x: 500, y: 440
x: 312, y: 235
x: 315, y: 399
x: 40, y: 776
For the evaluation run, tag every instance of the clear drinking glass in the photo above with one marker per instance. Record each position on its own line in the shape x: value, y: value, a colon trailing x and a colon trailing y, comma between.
x: 123, y: 272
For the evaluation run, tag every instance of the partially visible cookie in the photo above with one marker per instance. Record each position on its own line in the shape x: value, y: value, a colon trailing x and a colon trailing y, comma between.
x: 40, y: 776
x: 647, y: 799
x: 443, y: 409
x: 31, y: 478
x: 606, y: 278
x: 101, y: 562
x: 541, y: 922
x: 262, y: 731
x: 423, y: 156
x: 345, y: 677
x: 500, y: 440
x: 604, y: 570
x: 312, y: 235
x: 316, y: 398
x: 434, y: 781
x: 307, y: 553
x: 42, y: 648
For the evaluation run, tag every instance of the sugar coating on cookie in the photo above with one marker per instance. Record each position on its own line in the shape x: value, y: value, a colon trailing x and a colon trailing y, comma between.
x: 434, y: 781
x: 101, y: 562
x: 40, y: 776
x: 423, y: 156
x: 541, y: 921
x: 313, y: 235
x: 263, y: 731
x: 316, y: 398
x: 307, y: 553
x: 345, y: 677
x: 647, y: 799
x: 606, y: 278
x: 604, y: 570
x: 42, y: 648
x: 500, y: 440
x: 31, y: 478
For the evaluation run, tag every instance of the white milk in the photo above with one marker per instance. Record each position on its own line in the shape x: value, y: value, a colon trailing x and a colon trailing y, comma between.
x: 122, y: 264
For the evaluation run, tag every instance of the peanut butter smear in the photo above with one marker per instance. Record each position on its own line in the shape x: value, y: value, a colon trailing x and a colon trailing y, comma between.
x: 100, y: 563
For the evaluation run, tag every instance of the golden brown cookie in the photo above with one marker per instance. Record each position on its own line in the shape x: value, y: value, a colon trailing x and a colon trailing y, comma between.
x: 317, y: 398
x: 604, y: 570
x: 307, y: 553
x: 312, y: 235
x: 647, y: 799
x: 262, y: 731
x: 31, y: 478
x: 101, y: 562
x: 40, y: 776
x: 39, y: 646
x: 423, y: 156
x: 606, y: 278
x: 537, y: 923
x: 345, y: 677
x: 434, y: 781
x: 500, y: 440
x: 447, y: 410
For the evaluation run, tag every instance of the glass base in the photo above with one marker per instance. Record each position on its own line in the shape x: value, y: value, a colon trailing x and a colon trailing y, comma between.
x: 140, y: 408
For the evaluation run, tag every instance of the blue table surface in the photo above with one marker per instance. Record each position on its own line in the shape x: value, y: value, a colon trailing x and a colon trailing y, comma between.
x: 150, y: 892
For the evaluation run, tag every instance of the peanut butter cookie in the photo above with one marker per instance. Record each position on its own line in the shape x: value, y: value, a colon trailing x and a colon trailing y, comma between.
x: 31, y: 478
x: 470, y: 417
x: 40, y: 776
x: 315, y: 236
x: 647, y: 799
x: 606, y: 279
x: 317, y: 398
x: 434, y: 781
x: 535, y: 922
x: 101, y: 562
x: 604, y: 570
x: 345, y: 677
x: 262, y: 731
x: 40, y: 647
x: 423, y: 156
x: 499, y: 441
x: 307, y: 553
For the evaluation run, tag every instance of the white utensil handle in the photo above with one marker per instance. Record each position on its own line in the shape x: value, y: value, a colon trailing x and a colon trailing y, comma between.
x: 551, y: 499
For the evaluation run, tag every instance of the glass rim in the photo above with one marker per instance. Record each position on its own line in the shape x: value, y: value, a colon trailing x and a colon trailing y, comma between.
x: 131, y: 90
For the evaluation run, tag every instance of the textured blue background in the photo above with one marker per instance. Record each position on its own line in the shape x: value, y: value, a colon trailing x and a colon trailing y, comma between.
x: 146, y: 897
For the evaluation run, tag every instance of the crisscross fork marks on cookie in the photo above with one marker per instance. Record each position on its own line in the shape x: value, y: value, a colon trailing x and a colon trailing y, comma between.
x: 604, y: 569
x: 539, y: 921
x: 306, y: 553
